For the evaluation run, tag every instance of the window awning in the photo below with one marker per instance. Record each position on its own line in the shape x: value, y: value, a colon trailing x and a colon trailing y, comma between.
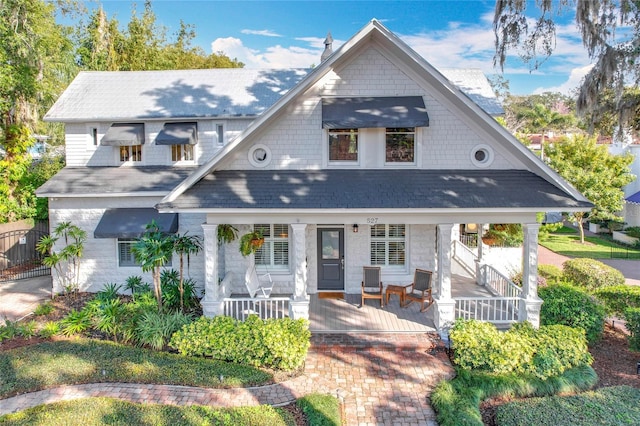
x: 131, y: 223
x: 634, y: 199
x: 178, y: 134
x: 124, y: 134
x: 358, y: 113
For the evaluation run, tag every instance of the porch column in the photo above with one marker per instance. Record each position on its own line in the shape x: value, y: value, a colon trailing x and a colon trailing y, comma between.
x: 444, y: 314
x: 530, y: 306
x: 480, y: 279
x: 299, y: 305
x: 212, y: 303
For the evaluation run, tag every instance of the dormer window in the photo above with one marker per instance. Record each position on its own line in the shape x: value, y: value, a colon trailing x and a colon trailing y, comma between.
x: 343, y: 145
x: 400, y: 145
x: 181, y: 137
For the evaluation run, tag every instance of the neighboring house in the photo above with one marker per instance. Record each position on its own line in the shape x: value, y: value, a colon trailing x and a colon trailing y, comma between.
x: 371, y: 158
x: 631, y: 209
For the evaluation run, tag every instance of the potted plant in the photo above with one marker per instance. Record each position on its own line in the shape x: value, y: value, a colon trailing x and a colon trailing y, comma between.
x: 227, y: 233
x: 251, y: 242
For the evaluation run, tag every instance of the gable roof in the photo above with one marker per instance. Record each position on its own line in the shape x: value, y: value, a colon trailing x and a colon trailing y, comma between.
x: 131, y: 95
x: 444, y: 90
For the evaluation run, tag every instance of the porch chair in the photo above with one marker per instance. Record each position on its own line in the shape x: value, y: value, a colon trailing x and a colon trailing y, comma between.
x: 258, y: 287
x: 420, y: 289
x: 371, y: 284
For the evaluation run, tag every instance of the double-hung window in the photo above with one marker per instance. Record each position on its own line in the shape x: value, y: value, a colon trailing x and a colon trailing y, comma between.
x: 388, y: 245
x: 343, y: 145
x: 274, y: 253
x: 400, y: 145
x: 181, y: 153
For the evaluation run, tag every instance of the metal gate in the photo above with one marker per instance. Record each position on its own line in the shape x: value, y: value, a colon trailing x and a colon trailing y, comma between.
x: 18, y: 255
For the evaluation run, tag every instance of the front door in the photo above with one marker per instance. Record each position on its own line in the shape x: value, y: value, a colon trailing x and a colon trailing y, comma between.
x: 330, y: 259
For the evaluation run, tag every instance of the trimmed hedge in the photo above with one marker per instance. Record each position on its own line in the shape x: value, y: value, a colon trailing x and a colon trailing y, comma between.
x: 551, y: 273
x: 542, y: 353
x: 618, y: 298
x: 574, y: 307
x: 591, y: 274
x: 273, y: 343
x: 632, y: 317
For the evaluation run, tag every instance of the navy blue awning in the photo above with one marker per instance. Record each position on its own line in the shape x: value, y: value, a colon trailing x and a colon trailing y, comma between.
x: 374, y: 112
x: 178, y: 134
x: 132, y: 223
x: 635, y: 198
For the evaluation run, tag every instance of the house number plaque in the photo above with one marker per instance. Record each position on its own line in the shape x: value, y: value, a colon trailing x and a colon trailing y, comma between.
x: 372, y: 220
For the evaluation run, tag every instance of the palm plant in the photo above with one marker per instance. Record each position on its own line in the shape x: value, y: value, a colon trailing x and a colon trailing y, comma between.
x: 153, y: 250
x: 66, y: 261
x: 185, y: 245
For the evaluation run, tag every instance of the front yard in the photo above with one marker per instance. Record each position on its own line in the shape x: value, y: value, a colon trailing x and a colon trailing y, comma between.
x: 567, y: 243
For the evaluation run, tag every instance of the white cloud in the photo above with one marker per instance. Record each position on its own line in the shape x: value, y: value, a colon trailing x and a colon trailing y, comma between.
x: 569, y: 86
x: 266, y: 33
x: 271, y: 57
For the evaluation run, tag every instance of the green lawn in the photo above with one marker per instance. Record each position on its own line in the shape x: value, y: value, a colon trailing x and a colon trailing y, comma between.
x: 80, y: 360
x: 108, y: 411
x: 593, y: 247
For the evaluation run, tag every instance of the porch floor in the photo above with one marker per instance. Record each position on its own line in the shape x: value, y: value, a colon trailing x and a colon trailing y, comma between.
x: 345, y: 315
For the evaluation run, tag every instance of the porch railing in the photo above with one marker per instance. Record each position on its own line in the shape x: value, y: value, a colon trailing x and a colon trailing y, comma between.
x: 497, y: 310
x: 241, y: 308
x: 499, y: 284
x: 465, y: 256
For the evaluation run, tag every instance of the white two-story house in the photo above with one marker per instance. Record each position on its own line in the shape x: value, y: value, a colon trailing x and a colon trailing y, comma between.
x: 373, y: 157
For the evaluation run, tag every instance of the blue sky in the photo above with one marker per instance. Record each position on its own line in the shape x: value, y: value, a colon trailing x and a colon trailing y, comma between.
x: 276, y: 34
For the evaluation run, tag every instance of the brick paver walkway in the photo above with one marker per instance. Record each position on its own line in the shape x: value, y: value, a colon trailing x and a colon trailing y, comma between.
x: 384, y: 380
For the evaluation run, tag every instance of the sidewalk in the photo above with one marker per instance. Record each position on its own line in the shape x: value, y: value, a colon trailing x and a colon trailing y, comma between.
x: 19, y: 298
x: 388, y: 386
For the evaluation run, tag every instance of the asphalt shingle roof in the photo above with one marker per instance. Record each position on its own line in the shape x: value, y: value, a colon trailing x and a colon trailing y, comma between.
x: 370, y: 189
x: 473, y: 83
x: 113, y: 180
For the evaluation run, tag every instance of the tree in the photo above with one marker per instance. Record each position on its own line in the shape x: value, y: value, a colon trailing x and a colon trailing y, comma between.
x: 65, y: 261
x: 542, y: 119
x: 610, y: 31
x: 185, y: 245
x: 153, y: 250
x: 596, y: 173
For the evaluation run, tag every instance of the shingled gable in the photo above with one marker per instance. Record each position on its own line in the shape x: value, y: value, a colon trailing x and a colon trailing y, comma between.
x: 444, y: 90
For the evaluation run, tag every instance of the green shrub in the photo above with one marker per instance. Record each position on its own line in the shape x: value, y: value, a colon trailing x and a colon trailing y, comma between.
x: 551, y: 273
x: 51, y: 328
x: 135, y: 285
x: 572, y: 306
x: 591, y: 274
x: 618, y: 298
x: 8, y: 331
x: 110, y: 318
x: 542, y: 353
x: 155, y: 329
x: 321, y: 410
x: 632, y: 317
x: 75, y: 322
x: 633, y: 231
x: 109, y: 292
x: 171, y: 291
x: 43, y: 309
x: 27, y: 329
x: 276, y: 343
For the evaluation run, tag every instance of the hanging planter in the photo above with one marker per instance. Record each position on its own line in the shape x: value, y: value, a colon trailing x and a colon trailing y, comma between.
x: 251, y: 242
x: 226, y: 233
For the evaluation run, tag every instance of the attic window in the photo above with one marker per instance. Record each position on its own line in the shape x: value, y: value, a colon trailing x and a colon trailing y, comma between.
x: 482, y: 156
x: 259, y: 155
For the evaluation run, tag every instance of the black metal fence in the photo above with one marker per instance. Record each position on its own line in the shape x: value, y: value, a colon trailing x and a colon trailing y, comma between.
x: 619, y: 252
x: 18, y: 255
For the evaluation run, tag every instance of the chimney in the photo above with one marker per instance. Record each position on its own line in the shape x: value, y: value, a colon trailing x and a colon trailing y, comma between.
x: 328, y: 50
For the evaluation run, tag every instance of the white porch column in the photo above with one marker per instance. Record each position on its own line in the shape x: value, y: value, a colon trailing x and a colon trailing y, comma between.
x: 299, y: 305
x: 444, y: 314
x: 530, y: 309
x: 212, y: 303
x: 480, y: 279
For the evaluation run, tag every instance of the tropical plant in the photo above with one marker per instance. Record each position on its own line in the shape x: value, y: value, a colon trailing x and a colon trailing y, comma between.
x: 109, y: 292
x: 185, y: 245
x: 177, y: 296
x: 153, y: 250
x: 227, y: 233
x: 135, y: 285
x: 154, y: 329
x: 251, y: 242
x: 66, y: 261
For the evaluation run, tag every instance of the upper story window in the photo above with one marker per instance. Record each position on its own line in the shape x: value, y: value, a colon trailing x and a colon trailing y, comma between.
x: 181, y: 153
x: 343, y: 145
x: 131, y: 153
x: 181, y: 137
x: 400, y: 145
x: 94, y: 136
x: 388, y: 245
x: 274, y: 253
x: 220, y: 133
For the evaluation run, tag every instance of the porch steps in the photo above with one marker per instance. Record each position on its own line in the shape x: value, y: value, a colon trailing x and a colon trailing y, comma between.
x: 370, y: 342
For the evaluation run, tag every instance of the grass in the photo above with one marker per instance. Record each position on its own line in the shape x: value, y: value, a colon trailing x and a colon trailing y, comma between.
x: 76, y: 361
x: 321, y: 410
x: 457, y: 401
x: 108, y: 411
x: 594, y: 247
x: 618, y: 405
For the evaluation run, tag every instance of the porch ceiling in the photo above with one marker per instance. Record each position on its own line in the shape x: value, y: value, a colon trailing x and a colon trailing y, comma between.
x: 374, y: 189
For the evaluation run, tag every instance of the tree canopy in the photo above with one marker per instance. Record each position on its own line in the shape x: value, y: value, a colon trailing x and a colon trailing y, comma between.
x: 610, y: 31
x: 595, y: 172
